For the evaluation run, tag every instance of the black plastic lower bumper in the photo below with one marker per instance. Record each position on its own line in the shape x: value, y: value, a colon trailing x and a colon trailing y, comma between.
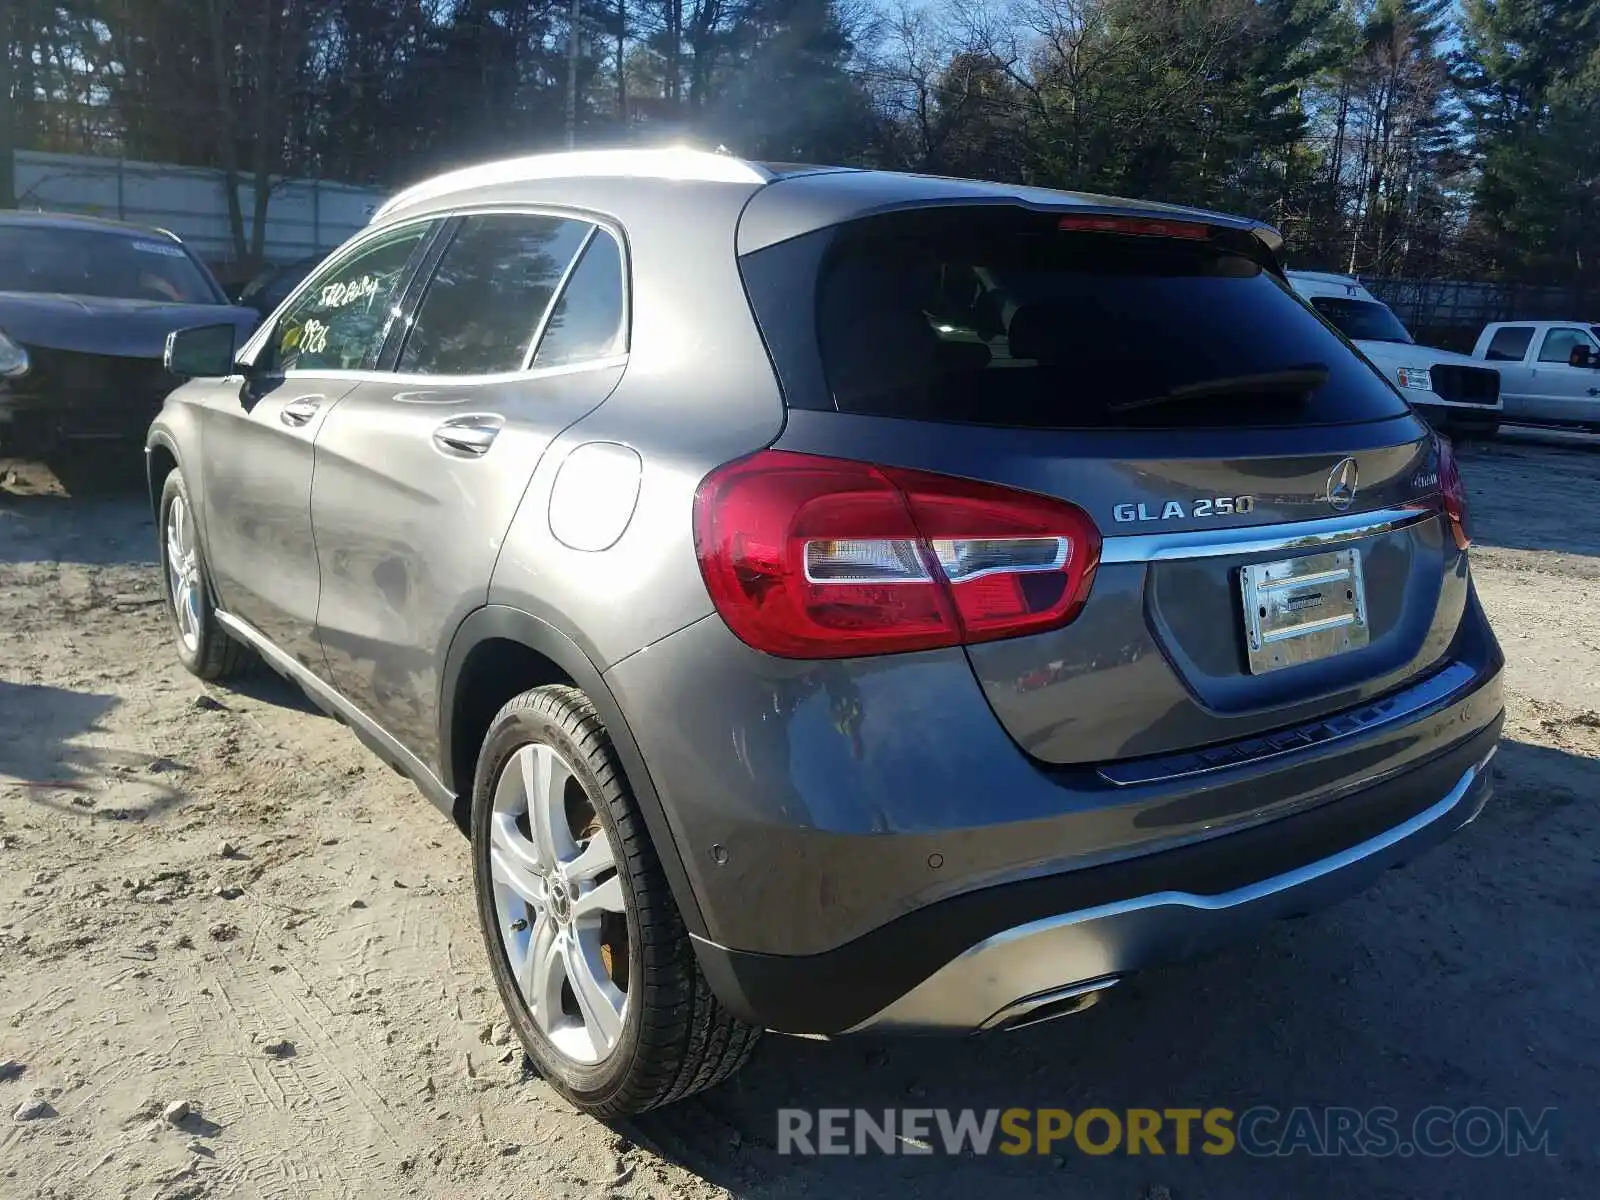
x: 1451, y: 419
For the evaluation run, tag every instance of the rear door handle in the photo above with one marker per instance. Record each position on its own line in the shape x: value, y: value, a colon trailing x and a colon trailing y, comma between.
x: 468, y: 437
x: 298, y: 412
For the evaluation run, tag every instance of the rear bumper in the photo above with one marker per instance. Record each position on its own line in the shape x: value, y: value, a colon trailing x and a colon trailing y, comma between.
x: 1432, y: 400
x: 999, y: 956
x: 1010, y: 978
x: 813, y: 804
x: 1466, y: 418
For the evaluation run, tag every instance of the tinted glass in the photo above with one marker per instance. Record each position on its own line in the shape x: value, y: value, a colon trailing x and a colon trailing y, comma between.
x: 88, y: 262
x: 276, y: 292
x: 1559, y: 343
x: 1362, y: 320
x: 586, y: 323
x: 338, y: 323
x: 1509, y: 345
x: 271, y: 288
x: 484, y: 303
x: 999, y: 317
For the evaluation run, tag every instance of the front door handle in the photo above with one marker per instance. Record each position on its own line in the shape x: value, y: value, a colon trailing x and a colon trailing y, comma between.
x: 468, y: 437
x: 298, y: 412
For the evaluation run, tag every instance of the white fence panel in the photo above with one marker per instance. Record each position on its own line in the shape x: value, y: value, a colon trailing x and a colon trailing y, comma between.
x: 304, y: 217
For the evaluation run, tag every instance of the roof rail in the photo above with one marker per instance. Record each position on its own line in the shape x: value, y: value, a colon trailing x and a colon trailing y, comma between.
x: 672, y: 162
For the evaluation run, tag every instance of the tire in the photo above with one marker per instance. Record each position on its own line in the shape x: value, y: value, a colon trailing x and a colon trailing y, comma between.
x: 664, y: 1035
x: 205, y: 648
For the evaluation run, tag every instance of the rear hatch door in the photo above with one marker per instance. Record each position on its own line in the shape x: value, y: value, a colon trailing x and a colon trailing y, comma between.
x: 1272, y: 546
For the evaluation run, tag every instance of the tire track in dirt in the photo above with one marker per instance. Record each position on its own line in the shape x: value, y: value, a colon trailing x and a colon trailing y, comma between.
x: 297, y: 1113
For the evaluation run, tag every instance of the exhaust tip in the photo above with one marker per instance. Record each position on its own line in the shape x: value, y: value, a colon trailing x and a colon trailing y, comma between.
x: 1047, y: 1006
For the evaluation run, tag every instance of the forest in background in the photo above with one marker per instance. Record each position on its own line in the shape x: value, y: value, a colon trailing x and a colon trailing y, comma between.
x: 1425, y: 138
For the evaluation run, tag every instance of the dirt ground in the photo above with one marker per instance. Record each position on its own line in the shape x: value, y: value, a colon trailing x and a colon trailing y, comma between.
x: 316, y: 991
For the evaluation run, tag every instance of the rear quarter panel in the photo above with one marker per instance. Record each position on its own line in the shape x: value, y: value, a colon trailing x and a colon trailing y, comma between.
x: 697, y: 391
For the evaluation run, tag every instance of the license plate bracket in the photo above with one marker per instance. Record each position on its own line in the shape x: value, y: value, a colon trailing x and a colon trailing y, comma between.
x: 1300, y: 610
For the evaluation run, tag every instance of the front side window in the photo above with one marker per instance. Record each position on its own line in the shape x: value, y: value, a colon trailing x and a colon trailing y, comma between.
x: 1559, y: 344
x: 1362, y: 320
x: 1509, y: 344
x: 78, y: 261
x: 587, y: 321
x: 339, y: 321
x: 484, y: 304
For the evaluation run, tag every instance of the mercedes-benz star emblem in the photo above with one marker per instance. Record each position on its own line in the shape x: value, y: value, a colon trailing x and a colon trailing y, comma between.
x: 1342, y: 484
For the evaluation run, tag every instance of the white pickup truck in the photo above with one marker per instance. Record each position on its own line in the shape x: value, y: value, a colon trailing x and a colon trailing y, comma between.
x: 1549, y: 370
x: 1451, y: 391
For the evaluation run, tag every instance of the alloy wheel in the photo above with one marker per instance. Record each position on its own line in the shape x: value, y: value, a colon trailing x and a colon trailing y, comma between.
x: 559, y: 903
x: 183, y: 572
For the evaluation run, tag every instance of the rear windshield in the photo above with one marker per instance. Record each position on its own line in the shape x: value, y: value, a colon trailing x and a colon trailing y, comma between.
x: 999, y: 317
x: 1362, y: 320
x: 92, y: 262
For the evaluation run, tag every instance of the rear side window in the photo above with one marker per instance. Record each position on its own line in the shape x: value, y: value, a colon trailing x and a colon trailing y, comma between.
x: 997, y: 316
x: 1559, y: 344
x: 1509, y: 344
x: 587, y: 321
x: 483, y: 306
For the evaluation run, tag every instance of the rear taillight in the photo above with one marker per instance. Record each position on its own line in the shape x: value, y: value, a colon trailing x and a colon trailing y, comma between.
x: 1453, y: 493
x: 812, y: 557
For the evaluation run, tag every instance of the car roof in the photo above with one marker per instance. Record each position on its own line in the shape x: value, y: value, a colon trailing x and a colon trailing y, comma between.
x: 1325, y: 285
x: 1537, y: 323
x: 788, y: 199
x: 1324, y: 277
x: 61, y: 220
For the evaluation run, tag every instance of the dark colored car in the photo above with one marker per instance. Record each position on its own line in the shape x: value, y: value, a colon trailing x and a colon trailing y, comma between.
x: 85, y: 309
x: 836, y: 601
x: 272, y: 286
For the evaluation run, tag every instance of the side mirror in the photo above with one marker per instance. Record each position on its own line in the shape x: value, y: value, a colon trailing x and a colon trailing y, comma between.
x: 1583, y: 356
x: 200, y: 353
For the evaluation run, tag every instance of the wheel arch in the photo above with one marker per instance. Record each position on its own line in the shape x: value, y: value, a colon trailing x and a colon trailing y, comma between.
x: 160, y: 460
x: 498, y: 647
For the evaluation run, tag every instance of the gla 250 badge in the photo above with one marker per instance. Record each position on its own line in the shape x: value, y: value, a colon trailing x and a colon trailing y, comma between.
x: 1177, y: 510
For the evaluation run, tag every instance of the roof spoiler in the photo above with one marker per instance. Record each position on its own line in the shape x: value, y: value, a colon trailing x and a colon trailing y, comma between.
x: 1269, y: 236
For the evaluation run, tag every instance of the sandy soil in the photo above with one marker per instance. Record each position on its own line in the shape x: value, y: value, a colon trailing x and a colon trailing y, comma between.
x: 219, y: 898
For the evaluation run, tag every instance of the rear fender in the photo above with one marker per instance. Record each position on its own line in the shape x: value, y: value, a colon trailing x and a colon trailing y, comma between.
x: 497, y: 621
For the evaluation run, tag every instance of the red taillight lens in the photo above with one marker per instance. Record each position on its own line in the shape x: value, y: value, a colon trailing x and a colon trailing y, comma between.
x: 1454, y: 493
x: 812, y: 557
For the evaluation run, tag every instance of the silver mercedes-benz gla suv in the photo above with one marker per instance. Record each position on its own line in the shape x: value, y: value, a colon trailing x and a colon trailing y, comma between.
x: 835, y: 601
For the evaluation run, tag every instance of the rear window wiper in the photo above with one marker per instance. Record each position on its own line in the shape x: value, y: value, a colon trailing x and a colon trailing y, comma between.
x: 1294, y: 380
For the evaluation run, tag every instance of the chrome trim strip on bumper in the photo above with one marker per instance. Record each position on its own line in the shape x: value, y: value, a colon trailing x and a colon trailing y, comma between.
x: 1397, y: 706
x: 1258, y: 539
x: 999, y: 974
